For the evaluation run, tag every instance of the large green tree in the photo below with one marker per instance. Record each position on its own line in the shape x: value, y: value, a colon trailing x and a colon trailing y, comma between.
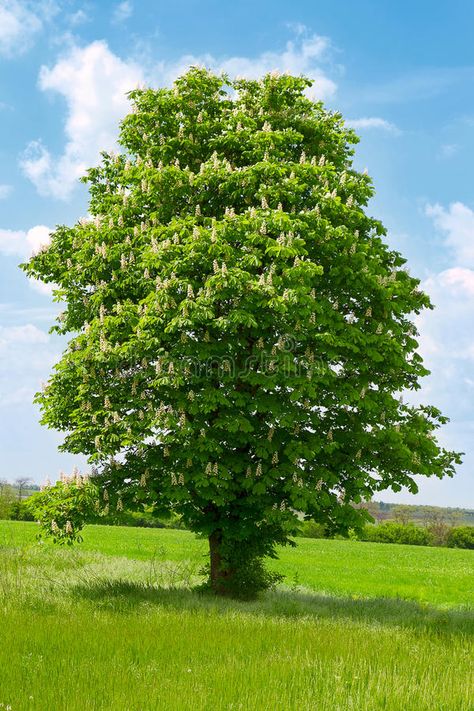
x: 240, y: 333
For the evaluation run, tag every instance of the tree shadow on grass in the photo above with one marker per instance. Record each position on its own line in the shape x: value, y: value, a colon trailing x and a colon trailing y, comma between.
x: 123, y: 596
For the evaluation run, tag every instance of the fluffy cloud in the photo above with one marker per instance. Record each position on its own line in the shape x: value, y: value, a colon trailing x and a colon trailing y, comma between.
x: 122, y: 12
x: 373, y: 122
x: 12, y: 335
x: 26, y: 357
x: 18, y: 26
x: 94, y: 82
x: 23, y: 244
x: 302, y: 55
x: 457, y: 223
x: 78, y: 18
x: 447, y: 332
x: 449, y: 329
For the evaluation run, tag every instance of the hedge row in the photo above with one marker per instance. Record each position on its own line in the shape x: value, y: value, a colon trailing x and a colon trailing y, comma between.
x: 393, y: 532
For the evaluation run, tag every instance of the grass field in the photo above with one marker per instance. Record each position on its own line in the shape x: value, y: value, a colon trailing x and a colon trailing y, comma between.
x: 114, y: 624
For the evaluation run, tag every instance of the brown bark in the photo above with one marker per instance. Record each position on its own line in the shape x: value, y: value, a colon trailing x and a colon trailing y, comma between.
x: 220, y: 574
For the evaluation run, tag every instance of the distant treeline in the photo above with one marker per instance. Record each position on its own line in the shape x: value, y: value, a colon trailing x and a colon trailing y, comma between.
x: 402, y: 533
x: 418, y: 513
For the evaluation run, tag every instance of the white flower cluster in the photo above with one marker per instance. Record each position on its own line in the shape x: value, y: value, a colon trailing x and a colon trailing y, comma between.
x: 75, y: 478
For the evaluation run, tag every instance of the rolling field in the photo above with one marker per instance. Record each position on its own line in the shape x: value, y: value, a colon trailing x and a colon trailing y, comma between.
x: 113, y: 624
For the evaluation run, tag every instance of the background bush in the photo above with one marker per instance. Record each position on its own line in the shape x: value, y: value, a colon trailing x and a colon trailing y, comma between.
x: 461, y: 537
x: 19, y: 511
x: 392, y: 532
x: 311, y: 529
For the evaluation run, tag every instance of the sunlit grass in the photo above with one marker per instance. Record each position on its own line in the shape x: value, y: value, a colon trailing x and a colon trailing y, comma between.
x: 444, y: 576
x: 115, y: 624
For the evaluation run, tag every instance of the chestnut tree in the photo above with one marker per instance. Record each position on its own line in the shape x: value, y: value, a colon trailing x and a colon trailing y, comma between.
x: 239, y: 331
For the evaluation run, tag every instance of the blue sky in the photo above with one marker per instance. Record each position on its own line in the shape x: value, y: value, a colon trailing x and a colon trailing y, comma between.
x: 402, y: 73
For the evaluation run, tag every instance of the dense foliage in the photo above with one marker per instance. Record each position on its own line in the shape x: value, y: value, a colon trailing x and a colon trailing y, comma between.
x: 461, y: 537
x: 392, y: 532
x: 239, y: 330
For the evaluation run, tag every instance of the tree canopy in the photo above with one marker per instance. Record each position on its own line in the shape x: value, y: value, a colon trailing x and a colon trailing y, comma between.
x: 239, y: 331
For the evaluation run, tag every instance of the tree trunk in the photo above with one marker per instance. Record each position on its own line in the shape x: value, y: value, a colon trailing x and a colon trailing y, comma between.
x: 220, y: 575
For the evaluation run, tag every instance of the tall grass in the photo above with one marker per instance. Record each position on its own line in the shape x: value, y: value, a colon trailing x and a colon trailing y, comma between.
x: 86, y: 629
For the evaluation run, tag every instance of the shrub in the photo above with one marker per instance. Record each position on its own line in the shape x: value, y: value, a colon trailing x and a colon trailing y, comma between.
x: 391, y: 532
x: 7, y: 500
x: 311, y: 529
x: 19, y: 511
x: 461, y: 537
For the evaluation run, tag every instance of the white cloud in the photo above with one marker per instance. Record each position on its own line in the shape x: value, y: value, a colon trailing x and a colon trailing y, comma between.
x: 27, y: 355
x: 122, y: 12
x: 448, y: 150
x: 21, y: 396
x: 78, y: 18
x: 447, y: 333
x: 28, y: 333
x: 18, y: 26
x: 459, y: 280
x: 302, y: 55
x: 5, y: 191
x: 457, y: 223
x: 447, y: 341
x: 24, y: 244
x: 94, y: 82
x: 41, y: 287
x: 373, y: 122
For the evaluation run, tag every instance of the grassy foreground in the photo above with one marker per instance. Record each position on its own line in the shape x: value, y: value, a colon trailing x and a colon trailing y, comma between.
x: 114, y: 625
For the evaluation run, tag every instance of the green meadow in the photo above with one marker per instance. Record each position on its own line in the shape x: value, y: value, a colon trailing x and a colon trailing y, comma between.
x: 116, y: 623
